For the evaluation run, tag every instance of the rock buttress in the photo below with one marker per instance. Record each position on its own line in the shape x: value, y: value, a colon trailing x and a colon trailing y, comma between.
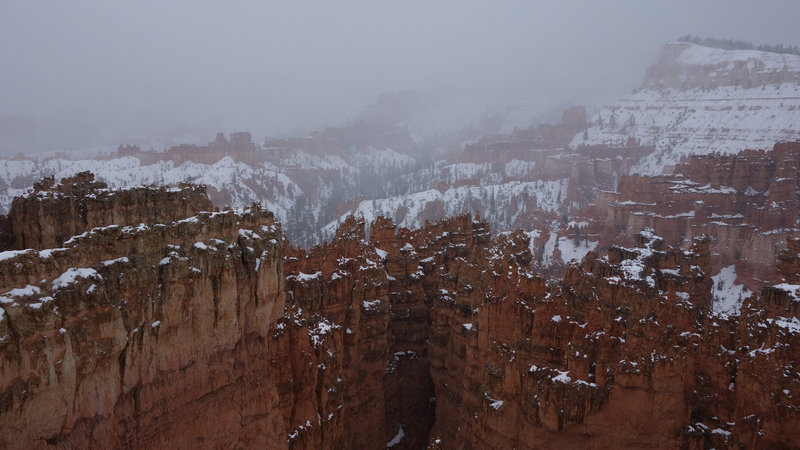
x: 154, y: 336
x: 625, y: 351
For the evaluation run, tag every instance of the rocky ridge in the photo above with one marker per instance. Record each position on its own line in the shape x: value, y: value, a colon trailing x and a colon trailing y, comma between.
x: 210, y: 331
x: 141, y: 336
x: 627, y: 350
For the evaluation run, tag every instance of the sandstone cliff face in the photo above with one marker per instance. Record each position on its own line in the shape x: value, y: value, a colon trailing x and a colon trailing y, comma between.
x: 626, y: 351
x: 151, y: 336
x: 213, y: 332
x: 54, y: 213
x: 362, y: 306
x: 747, y: 203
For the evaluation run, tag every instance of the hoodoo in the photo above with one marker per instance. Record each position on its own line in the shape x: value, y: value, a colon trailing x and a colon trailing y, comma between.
x: 212, y: 331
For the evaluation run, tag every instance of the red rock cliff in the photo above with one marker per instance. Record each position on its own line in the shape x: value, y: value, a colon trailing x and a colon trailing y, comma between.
x: 151, y: 336
x: 209, y: 332
x: 56, y: 212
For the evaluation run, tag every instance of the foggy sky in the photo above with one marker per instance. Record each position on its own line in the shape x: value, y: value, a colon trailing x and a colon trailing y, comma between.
x: 277, y: 67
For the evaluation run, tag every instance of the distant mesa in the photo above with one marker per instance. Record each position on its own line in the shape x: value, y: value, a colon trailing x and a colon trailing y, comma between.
x: 685, y: 65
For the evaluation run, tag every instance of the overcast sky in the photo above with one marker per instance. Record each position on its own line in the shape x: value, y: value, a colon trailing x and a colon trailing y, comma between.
x: 276, y: 67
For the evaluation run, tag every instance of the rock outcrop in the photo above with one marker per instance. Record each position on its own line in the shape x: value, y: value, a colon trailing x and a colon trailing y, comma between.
x: 628, y: 350
x: 747, y: 204
x: 56, y: 212
x: 684, y: 65
x: 146, y: 336
x: 214, y: 332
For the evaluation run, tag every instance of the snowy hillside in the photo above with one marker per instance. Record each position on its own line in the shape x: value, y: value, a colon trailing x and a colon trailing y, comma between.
x: 712, y: 100
x: 755, y: 60
x: 244, y: 183
x: 500, y: 204
x: 681, y: 123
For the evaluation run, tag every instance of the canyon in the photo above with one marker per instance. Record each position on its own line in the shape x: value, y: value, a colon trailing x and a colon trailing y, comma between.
x: 621, y: 278
x: 212, y: 331
x: 414, y: 157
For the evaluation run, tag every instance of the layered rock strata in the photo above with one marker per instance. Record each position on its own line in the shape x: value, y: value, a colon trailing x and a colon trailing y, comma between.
x: 146, y: 336
x: 626, y: 351
x: 746, y: 203
x: 210, y: 332
x: 56, y: 212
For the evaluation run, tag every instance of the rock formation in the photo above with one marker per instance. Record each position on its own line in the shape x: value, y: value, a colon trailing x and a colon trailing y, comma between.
x: 626, y: 351
x: 684, y: 65
x: 56, y: 212
x: 145, y: 336
x: 212, y: 331
x: 747, y: 204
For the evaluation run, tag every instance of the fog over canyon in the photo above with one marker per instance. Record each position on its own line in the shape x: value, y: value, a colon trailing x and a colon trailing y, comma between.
x: 357, y: 225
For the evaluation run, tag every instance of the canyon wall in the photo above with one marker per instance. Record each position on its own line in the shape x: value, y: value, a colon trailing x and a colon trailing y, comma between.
x: 684, y: 65
x: 56, y: 212
x: 146, y: 336
x: 747, y: 204
x: 626, y: 351
x: 212, y: 331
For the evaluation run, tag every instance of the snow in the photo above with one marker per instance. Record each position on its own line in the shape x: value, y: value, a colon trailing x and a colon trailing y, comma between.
x: 250, y: 234
x: 680, y: 123
x: 461, y: 171
x: 381, y: 253
x: 8, y: 254
x: 246, y: 184
x: 110, y: 262
x: 74, y: 274
x: 380, y: 160
x: 46, y: 253
x: 532, y: 236
x: 562, y: 377
x: 574, y: 252
x: 309, y: 161
x: 549, y: 196
x: 698, y: 55
x: 24, y: 292
x: 467, y: 326
x: 791, y: 324
x: 307, y: 276
x: 727, y: 295
x: 155, y: 324
x: 397, y: 438
x: 550, y: 247
x: 556, y: 318
x: 497, y: 404
x: 371, y: 305
x: 519, y: 169
x: 792, y: 289
x: 691, y: 188
x: 323, y: 327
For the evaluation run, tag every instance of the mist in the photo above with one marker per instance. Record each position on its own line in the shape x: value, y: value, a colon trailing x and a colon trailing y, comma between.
x: 90, y: 73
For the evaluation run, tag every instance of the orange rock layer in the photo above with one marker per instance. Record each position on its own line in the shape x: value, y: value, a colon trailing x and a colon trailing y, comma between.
x: 209, y: 332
